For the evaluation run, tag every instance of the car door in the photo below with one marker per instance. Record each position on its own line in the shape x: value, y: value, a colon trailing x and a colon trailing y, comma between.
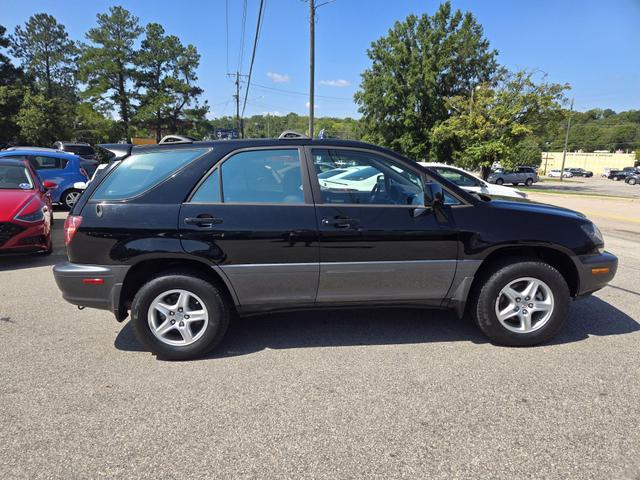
x: 379, y: 244
x: 253, y: 216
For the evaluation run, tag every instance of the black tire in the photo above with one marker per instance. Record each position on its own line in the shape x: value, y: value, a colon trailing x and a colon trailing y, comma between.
x: 632, y: 181
x: 515, y: 183
x: 528, y: 182
x: 499, y: 181
x: 215, y: 303
x: 483, y: 301
x: 63, y: 198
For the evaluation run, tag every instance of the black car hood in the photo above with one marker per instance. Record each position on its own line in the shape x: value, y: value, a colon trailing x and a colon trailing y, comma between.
x: 525, y: 205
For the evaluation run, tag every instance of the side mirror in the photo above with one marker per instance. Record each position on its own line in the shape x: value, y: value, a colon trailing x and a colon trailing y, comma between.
x: 49, y: 185
x: 433, y: 194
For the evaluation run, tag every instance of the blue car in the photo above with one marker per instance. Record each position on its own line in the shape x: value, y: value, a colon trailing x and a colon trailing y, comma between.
x: 64, y: 169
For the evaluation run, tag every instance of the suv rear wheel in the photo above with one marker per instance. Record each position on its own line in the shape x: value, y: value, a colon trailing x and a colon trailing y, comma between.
x: 521, y: 303
x: 179, y: 316
x: 528, y: 182
x: 499, y: 181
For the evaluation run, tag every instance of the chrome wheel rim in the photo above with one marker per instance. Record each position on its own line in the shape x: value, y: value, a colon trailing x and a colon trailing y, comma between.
x: 178, y: 317
x: 71, y: 198
x: 524, y: 305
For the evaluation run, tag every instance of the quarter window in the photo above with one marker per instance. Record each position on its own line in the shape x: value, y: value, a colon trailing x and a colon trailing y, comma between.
x: 143, y: 171
x: 258, y: 176
x: 39, y: 162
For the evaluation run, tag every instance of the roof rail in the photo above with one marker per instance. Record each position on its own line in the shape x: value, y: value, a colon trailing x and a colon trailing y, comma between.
x: 292, y: 134
x: 176, y: 139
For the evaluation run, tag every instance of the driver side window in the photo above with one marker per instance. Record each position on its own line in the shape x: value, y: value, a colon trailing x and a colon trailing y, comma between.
x: 360, y: 177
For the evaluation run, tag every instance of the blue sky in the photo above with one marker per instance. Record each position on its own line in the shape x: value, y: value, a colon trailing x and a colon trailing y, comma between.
x: 591, y: 44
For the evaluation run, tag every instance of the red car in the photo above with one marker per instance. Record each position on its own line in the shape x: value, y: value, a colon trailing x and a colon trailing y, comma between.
x: 26, y: 215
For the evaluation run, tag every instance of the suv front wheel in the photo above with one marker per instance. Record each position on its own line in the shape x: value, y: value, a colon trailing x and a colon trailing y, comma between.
x: 179, y: 316
x: 521, y: 303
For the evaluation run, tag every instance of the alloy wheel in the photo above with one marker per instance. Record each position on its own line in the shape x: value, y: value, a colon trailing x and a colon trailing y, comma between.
x: 178, y: 317
x: 524, y: 305
x: 71, y: 198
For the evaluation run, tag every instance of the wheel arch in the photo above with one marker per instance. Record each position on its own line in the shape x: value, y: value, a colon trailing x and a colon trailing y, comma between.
x: 552, y: 255
x: 140, y: 272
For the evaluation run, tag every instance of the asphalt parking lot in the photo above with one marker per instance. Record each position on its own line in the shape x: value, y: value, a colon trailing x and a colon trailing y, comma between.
x: 346, y: 394
x: 595, y: 185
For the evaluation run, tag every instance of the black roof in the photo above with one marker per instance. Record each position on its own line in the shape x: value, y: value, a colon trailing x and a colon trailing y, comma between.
x: 263, y: 142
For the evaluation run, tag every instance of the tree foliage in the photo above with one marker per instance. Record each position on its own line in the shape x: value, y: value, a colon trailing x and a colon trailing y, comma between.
x: 166, y: 76
x: 11, y: 91
x: 491, y: 125
x: 44, y: 120
x: 421, y: 62
x: 47, y: 54
x: 107, y: 62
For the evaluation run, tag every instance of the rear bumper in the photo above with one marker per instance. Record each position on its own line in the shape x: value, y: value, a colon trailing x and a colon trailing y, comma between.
x: 595, y: 272
x: 71, y: 278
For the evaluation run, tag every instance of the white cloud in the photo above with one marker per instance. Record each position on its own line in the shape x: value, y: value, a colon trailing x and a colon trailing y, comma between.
x: 278, y: 77
x: 336, y: 83
x: 274, y: 113
x: 315, y: 106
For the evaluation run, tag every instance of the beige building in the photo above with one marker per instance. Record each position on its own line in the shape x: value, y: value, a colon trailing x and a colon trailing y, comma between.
x: 595, y: 161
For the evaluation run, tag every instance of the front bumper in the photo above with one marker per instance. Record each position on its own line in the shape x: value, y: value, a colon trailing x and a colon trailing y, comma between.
x: 104, y: 294
x: 595, y: 272
x: 18, y: 237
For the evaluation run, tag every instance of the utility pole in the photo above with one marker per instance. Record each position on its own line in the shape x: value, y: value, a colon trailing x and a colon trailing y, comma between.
x: 566, y: 141
x: 312, y: 61
x: 239, y: 123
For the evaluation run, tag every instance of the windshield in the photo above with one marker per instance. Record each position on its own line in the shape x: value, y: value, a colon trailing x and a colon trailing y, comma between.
x: 331, y: 173
x: 361, y: 174
x: 15, y: 177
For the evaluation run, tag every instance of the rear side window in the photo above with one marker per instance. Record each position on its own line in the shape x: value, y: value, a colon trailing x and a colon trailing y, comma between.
x: 79, y: 149
x: 40, y: 162
x: 259, y: 176
x: 142, y: 171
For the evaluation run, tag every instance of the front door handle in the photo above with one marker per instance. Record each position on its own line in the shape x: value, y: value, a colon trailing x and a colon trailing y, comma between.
x: 203, y: 220
x: 340, y: 222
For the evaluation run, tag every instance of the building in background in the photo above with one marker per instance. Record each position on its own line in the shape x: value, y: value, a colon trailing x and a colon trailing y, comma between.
x: 595, y: 162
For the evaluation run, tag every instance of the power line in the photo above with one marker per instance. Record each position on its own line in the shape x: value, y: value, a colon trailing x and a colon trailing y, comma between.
x: 293, y: 92
x: 253, y: 54
x: 244, y: 24
x: 226, y: 18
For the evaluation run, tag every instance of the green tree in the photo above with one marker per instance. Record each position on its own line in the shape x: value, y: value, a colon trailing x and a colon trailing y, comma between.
x: 46, y: 52
x: 165, y: 76
x: 12, y: 87
x: 106, y: 63
x: 489, y: 126
x: 44, y: 120
x: 421, y: 62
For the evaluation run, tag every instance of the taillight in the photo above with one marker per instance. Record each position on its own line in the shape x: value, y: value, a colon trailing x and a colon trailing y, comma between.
x: 84, y: 172
x: 71, y: 225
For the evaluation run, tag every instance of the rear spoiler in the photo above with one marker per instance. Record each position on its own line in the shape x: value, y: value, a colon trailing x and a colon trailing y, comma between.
x: 115, y: 151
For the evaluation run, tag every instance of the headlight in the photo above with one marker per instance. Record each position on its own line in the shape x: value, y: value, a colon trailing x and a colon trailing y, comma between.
x: 32, y: 212
x: 594, y: 233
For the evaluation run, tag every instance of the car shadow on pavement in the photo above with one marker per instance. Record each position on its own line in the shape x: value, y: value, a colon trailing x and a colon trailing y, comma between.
x: 31, y: 260
x: 388, y: 326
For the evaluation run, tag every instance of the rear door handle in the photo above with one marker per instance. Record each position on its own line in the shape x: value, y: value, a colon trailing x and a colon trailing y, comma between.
x: 340, y: 222
x: 203, y: 220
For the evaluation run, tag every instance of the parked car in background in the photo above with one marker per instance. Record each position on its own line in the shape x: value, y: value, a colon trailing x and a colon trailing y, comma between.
x: 471, y: 183
x: 61, y: 168
x: 579, y: 172
x: 88, y: 165
x: 624, y: 173
x: 606, y: 171
x: 633, y: 179
x: 26, y: 214
x: 525, y: 175
x: 184, y: 236
x: 85, y: 151
x: 557, y: 173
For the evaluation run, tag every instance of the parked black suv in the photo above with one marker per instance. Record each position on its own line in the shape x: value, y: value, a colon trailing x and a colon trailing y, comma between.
x: 186, y: 234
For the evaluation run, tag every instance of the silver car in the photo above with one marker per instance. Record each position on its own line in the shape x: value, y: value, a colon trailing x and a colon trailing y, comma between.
x: 526, y: 175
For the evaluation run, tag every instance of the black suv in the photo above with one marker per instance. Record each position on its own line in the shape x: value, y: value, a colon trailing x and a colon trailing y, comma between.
x: 188, y: 234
